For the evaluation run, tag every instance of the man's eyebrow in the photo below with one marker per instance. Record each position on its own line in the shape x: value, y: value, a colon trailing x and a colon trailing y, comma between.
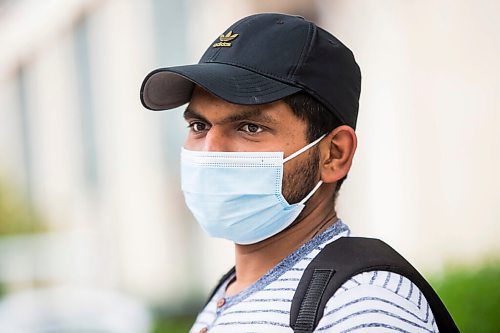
x: 192, y: 114
x: 256, y: 113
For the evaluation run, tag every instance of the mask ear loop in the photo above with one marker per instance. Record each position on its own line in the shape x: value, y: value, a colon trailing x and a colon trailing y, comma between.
x: 311, y: 193
x: 300, y: 151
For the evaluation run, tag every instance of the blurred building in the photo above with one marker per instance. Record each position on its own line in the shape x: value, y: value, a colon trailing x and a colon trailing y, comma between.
x: 104, y: 171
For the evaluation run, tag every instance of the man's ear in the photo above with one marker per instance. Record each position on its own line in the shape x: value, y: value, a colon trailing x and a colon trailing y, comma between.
x: 336, y: 153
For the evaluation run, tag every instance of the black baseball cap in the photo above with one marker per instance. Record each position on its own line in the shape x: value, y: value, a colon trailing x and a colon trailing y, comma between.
x: 263, y: 58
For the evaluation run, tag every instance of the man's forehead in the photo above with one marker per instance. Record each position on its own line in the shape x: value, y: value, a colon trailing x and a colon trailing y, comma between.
x: 204, y: 103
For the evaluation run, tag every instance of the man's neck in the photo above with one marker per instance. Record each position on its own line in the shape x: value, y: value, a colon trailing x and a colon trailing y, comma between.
x: 255, y: 260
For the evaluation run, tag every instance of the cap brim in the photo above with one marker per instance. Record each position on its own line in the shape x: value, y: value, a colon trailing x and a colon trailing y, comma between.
x: 167, y: 88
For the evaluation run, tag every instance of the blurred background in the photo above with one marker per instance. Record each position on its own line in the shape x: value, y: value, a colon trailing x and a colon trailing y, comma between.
x: 94, y: 234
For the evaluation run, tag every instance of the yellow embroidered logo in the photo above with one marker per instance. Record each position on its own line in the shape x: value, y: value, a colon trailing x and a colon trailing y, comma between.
x: 225, y: 39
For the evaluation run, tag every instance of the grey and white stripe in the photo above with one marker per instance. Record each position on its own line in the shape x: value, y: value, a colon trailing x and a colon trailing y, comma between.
x: 375, y: 301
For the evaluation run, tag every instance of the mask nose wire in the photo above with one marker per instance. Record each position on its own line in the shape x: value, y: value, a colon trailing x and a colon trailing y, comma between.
x: 303, y: 149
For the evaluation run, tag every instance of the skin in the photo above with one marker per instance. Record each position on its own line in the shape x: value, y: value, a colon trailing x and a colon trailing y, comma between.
x: 216, y: 125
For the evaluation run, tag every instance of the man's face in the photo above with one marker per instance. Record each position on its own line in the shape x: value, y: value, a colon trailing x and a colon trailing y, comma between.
x: 216, y: 125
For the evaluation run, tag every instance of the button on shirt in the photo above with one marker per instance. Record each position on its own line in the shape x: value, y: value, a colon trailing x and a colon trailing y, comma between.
x: 221, y: 302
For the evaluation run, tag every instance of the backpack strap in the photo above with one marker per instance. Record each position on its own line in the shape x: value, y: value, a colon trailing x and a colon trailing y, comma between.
x: 343, y: 259
x: 219, y: 284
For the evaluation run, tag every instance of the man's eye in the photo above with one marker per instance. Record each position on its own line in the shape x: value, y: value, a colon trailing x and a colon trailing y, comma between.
x: 198, y: 127
x: 251, y: 128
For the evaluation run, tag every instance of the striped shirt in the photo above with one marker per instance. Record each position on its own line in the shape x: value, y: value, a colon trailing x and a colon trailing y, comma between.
x: 377, y: 301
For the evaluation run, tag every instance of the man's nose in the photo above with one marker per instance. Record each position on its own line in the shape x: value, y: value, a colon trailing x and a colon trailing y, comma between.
x: 216, y: 140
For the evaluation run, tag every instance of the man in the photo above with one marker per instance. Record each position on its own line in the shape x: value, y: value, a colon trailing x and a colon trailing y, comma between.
x: 272, y: 110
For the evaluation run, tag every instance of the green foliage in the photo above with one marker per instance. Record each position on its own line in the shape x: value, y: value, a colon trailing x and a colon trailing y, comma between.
x: 176, y: 324
x: 17, y: 216
x: 472, y: 295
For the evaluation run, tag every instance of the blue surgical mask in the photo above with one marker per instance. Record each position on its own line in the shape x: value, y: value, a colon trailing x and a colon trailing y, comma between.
x: 238, y: 195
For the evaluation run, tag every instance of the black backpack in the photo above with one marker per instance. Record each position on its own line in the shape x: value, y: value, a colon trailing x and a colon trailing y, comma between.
x: 328, y: 271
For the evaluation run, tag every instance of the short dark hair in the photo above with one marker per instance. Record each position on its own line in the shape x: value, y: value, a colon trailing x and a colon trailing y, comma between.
x: 319, y: 119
